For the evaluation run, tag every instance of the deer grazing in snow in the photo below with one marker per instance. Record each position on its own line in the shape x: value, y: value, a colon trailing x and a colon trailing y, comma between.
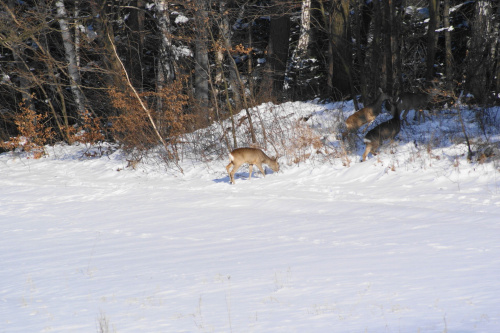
x: 252, y: 156
x: 365, y: 115
x: 384, y: 131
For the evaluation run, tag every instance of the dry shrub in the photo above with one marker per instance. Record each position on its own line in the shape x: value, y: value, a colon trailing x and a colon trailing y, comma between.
x: 304, y: 142
x: 131, y: 128
x: 135, y: 130
x: 90, y: 133
x: 33, y: 133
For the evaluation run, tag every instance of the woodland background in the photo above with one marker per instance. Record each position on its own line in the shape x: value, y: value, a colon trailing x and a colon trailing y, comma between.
x: 140, y: 73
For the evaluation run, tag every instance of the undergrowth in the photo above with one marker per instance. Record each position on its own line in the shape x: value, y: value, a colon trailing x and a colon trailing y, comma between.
x: 285, y: 131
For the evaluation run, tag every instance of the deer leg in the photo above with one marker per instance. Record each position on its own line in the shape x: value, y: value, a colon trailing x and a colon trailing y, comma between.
x: 250, y: 167
x: 367, y: 126
x: 404, y: 114
x: 367, y: 151
x: 261, y: 169
x: 423, y: 115
x: 418, y: 115
x: 231, y: 174
x: 228, y: 166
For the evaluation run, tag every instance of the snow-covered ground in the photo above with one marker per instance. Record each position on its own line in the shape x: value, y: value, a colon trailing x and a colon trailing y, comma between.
x: 408, y: 241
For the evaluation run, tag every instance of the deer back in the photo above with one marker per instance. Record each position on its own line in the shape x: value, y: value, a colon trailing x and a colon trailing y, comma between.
x: 386, y: 130
x: 413, y: 101
x: 252, y: 156
x: 366, y: 114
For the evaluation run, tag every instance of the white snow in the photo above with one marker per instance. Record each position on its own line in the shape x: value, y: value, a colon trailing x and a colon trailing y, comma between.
x: 408, y: 241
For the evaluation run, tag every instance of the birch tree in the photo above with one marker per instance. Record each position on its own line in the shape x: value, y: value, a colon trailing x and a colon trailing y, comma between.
x: 165, y: 68
x: 71, y: 58
x: 305, y: 27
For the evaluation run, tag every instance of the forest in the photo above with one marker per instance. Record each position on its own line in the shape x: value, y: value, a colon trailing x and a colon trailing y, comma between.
x: 141, y: 73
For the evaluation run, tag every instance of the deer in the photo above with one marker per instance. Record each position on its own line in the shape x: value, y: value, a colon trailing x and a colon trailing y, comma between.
x: 252, y: 156
x: 415, y: 101
x: 384, y: 131
x: 365, y: 115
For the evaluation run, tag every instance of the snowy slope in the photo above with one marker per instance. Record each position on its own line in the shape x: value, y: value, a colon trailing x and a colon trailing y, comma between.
x: 408, y: 241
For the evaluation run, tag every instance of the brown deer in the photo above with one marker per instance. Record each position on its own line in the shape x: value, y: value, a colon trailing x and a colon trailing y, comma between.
x: 384, y: 131
x: 252, y: 156
x: 365, y: 115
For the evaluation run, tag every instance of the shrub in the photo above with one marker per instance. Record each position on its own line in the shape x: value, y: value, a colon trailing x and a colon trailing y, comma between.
x: 33, y: 133
x: 138, y: 129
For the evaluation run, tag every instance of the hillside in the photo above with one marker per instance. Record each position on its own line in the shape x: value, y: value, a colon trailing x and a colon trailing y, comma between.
x: 404, y: 242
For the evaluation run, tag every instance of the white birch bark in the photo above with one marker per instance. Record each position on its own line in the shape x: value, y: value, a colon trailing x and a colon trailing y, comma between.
x: 70, y: 57
x: 77, y: 33
x: 166, y: 71
x: 305, y: 26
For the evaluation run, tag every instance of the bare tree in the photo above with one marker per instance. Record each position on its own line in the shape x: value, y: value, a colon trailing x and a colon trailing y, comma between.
x: 28, y: 37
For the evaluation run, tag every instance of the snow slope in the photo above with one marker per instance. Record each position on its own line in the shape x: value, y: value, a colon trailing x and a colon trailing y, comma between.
x: 408, y: 241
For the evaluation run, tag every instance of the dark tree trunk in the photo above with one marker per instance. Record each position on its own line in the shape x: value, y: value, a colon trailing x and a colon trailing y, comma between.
x: 432, y: 37
x: 478, y: 62
x: 447, y: 41
x: 339, y: 49
x: 277, y: 53
x: 201, y: 65
x: 136, y: 43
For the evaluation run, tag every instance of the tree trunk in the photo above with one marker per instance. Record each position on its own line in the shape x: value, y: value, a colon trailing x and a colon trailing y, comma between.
x: 136, y: 43
x: 277, y: 52
x: 495, y: 53
x: 236, y: 87
x: 165, y: 69
x: 376, y: 63
x: 69, y: 49
x: 76, y: 15
x: 201, y: 65
x: 339, y: 50
x: 478, y: 57
x: 363, y: 18
x: 305, y: 27
x: 104, y: 29
x: 398, y: 33
x: 447, y: 42
x: 432, y: 37
x: 390, y: 44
